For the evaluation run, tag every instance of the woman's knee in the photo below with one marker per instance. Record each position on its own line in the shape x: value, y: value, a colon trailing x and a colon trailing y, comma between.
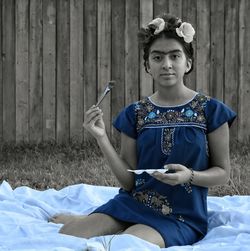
x: 146, y: 233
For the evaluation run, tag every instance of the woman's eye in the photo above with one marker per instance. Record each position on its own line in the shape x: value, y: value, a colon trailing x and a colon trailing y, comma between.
x: 157, y: 58
x: 175, y: 56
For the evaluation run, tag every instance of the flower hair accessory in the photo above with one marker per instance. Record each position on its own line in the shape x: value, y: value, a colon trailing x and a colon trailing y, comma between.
x: 158, y: 24
x: 186, y: 31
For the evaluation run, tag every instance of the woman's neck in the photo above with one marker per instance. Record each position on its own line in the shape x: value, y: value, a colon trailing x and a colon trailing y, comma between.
x: 172, y: 96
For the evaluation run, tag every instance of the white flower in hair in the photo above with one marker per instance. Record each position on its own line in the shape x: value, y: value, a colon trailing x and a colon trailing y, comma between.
x: 186, y: 31
x: 158, y: 24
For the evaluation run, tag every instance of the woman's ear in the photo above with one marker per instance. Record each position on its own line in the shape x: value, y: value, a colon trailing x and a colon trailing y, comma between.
x: 147, y: 66
x: 189, y: 65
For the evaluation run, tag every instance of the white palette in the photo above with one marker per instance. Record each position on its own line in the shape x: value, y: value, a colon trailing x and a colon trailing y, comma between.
x: 149, y: 171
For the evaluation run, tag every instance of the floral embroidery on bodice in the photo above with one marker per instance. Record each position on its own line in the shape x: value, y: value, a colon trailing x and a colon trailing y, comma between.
x: 193, y: 114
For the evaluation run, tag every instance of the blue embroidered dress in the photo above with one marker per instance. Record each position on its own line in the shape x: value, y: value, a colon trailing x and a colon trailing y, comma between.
x: 165, y: 135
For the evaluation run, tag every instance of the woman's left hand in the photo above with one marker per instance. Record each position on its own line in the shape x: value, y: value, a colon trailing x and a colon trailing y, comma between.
x: 180, y: 175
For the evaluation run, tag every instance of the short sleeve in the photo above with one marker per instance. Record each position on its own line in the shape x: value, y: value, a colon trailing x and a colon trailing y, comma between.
x: 217, y: 114
x: 126, y: 121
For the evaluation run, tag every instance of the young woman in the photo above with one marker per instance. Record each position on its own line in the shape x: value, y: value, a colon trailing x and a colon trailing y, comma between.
x: 177, y: 129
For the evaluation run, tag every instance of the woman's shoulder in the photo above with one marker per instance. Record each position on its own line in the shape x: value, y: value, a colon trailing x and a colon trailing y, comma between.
x: 202, y: 98
x: 212, y: 103
x: 208, y: 101
x: 135, y: 105
x: 217, y: 113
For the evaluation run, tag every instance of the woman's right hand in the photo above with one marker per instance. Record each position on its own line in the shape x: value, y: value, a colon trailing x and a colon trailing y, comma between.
x: 93, y: 122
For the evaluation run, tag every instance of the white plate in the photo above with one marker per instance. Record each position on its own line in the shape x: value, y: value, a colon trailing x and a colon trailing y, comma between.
x: 149, y: 171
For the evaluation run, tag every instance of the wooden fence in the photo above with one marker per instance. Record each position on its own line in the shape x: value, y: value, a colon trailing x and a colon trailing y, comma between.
x: 58, y: 55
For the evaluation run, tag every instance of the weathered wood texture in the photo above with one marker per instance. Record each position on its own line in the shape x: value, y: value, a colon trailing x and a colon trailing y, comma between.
x: 58, y: 55
x: 49, y: 70
x: 8, y: 71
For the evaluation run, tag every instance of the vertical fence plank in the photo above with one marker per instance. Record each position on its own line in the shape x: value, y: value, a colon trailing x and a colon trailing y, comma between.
x: 175, y: 7
x: 49, y: 70
x: 217, y: 49
x: 160, y: 6
x: 9, y: 106
x: 189, y: 15
x: 104, y: 56
x: 231, y: 66
x: 62, y: 91
x: 244, y: 77
x: 1, y: 76
x: 76, y: 70
x: 117, y: 58
x: 22, y: 71
x: 146, y: 81
x: 203, y: 46
x: 90, y: 55
x: 131, y: 51
x: 35, y: 76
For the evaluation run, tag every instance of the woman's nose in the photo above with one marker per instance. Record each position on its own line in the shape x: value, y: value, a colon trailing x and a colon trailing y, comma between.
x: 167, y: 64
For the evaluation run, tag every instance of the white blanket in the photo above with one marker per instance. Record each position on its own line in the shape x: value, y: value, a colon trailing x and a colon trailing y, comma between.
x: 24, y: 213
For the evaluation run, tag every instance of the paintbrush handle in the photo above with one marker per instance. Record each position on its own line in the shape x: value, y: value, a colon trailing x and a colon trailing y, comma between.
x: 103, y: 96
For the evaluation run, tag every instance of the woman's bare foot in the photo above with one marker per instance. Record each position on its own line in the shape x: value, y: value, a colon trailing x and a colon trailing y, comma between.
x: 65, y: 218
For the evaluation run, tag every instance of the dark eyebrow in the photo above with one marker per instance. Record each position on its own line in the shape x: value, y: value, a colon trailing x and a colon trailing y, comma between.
x: 163, y: 52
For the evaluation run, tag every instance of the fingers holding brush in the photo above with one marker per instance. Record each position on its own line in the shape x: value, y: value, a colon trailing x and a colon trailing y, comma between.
x: 93, y: 121
x: 91, y: 114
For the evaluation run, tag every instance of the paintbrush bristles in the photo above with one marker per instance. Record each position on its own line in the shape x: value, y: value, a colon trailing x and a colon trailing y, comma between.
x: 109, y: 86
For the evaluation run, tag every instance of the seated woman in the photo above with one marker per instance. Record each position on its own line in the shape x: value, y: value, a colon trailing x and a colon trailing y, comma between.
x: 176, y: 128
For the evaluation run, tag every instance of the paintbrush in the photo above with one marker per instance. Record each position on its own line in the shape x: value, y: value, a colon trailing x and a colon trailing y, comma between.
x: 109, y: 86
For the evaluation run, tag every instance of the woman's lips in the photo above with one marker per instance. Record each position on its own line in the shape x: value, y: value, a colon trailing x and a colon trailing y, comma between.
x: 167, y: 74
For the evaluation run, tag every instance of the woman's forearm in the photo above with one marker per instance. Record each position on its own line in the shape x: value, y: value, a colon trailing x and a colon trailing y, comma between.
x: 116, y: 163
x: 211, y: 177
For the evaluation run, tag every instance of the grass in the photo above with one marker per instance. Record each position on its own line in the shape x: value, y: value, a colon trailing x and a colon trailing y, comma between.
x: 239, y: 183
x: 49, y: 165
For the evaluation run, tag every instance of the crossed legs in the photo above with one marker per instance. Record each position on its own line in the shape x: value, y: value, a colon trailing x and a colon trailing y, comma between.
x: 98, y: 224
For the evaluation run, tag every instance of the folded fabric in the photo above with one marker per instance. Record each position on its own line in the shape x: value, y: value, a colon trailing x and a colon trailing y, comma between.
x: 24, y: 214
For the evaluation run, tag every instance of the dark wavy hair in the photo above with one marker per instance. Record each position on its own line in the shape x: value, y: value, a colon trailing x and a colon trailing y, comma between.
x: 146, y: 37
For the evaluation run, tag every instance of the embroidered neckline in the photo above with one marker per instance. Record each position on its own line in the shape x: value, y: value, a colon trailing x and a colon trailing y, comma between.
x: 172, y: 106
x: 191, y: 114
